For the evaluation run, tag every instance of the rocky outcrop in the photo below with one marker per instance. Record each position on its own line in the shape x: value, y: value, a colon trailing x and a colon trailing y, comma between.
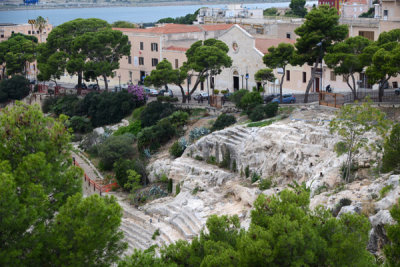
x: 297, y: 149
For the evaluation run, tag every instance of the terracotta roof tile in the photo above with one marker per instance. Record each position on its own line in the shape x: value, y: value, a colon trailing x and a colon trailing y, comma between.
x: 177, y: 28
x: 264, y: 44
x: 176, y: 48
x: 216, y: 27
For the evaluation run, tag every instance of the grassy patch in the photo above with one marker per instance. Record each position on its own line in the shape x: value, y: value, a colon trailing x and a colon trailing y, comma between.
x: 385, y: 190
x: 262, y: 123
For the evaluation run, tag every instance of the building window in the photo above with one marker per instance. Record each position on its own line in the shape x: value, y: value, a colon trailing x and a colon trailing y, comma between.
x: 129, y: 42
x: 29, y: 32
x: 367, y: 34
x: 288, y: 75
x: 2, y: 36
x: 37, y: 32
x: 141, y: 60
x: 385, y: 13
x: 154, y: 47
x: 304, y: 77
x: 141, y: 45
x: 176, y: 63
x: 130, y: 76
x: 333, y: 76
x: 259, y: 30
x: 288, y: 35
x: 129, y: 60
x: 154, y: 62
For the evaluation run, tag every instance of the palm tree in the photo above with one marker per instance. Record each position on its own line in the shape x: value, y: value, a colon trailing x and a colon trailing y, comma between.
x: 40, y: 24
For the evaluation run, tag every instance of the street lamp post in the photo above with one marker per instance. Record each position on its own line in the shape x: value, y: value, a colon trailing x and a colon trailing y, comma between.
x: 247, y: 81
x: 119, y: 81
x: 322, y: 70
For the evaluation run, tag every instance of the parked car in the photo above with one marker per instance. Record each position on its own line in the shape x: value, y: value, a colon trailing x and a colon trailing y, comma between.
x: 83, y: 86
x: 169, y: 92
x: 269, y: 98
x: 204, y: 95
x: 93, y: 86
x: 226, y: 97
x: 150, y: 92
x: 397, y: 91
x: 286, y: 99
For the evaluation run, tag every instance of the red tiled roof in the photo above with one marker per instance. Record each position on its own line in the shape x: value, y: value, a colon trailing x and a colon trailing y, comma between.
x: 264, y: 44
x: 176, y: 48
x: 216, y: 27
x: 177, y: 28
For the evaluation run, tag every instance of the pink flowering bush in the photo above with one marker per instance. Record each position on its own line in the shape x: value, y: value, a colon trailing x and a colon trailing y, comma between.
x: 137, y: 91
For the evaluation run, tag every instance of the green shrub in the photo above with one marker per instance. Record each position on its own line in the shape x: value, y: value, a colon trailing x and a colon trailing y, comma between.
x: 200, y: 158
x: 137, y: 111
x: 121, y: 168
x: 265, y: 183
x: 223, y: 120
x: 164, y: 178
x: 250, y: 100
x: 177, y: 189
x: 391, y: 156
x: 271, y: 109
x: 48, y: 104
x: 226, y: 161
x: 114, y: 148
x: 16, y: 88
x: 133, y: 128
x: 216, y: 92
x: 176, y: 150
x: 340, y: 148
x: 255, y: 177
x: 178, y: 118
x: 170, y: 183
x: 234, y: 167
x: 261, y: 123
x: 247, y: 171
x: 237, y: 96
x: 257, y: 113
x: 212, y: 160
x: 385, y: 190
x: 155, y: 234
x: 154, y: 136
x: 155, y: 111
x: 80, y: 124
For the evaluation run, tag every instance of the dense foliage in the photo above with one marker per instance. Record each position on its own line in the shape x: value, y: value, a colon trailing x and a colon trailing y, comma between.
x: 351, y: 123
x: 112, y: 149
x: 188, y: 19
x: 16, y: 52
x: 283, y: 232
x: 391, y: 156
x: 43, y: 218
x: 392, y: 249
x: 102, y: 108
x: 223, y: 120
x: 16, y: 88
x: 264, y: 111
x: 154, y: 111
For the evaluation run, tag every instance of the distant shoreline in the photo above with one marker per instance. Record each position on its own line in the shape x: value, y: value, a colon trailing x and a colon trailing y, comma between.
x: 88, y: 5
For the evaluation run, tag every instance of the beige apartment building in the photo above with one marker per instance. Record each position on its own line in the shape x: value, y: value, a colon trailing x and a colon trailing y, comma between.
x: 7, y: 29
x: 152, y: 45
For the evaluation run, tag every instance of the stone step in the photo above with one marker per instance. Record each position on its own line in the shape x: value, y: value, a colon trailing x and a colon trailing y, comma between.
x: 134, y: 238
x: 181, y: 227
x: 192, y: 219
x: 226, y: 140
x: 238, y: 135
